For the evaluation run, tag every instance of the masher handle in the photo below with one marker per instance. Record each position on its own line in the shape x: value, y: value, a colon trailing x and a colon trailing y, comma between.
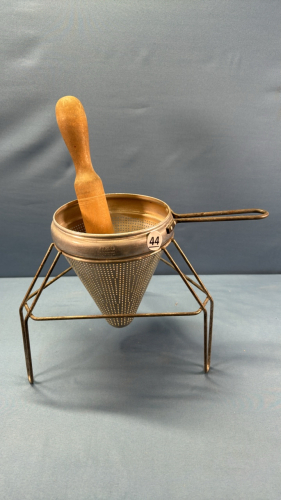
x: 73, y: 125
x: 224, y: 215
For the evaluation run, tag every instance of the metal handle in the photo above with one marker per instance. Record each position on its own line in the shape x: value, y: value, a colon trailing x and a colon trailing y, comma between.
x: 224, y: 215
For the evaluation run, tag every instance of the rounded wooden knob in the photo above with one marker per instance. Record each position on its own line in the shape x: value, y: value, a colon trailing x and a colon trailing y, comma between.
x: 73, y: 125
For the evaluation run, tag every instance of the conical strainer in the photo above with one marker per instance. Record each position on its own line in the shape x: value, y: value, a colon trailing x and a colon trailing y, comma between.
x: 116, y: 268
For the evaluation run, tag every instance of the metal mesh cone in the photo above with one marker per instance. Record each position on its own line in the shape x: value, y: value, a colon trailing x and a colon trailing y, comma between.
x: 117, y: 287
x: 115, y: 269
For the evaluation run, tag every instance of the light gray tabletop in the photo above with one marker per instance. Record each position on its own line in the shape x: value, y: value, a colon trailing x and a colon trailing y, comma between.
x: 128, y: 413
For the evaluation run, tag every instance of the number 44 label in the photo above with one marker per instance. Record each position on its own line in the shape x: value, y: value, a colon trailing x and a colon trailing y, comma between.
x: 154, y: 240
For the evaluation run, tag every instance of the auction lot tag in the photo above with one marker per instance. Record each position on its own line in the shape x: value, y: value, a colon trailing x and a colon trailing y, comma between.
x: 154, y: 240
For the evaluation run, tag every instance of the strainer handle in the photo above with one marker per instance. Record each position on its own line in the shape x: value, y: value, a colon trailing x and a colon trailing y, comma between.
x: 224, y: 215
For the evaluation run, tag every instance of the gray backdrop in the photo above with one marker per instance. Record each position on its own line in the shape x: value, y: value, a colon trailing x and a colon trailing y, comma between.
x: 183, y: 101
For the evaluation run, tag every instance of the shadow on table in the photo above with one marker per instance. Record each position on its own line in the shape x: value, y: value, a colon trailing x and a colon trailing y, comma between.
x: 149, y: 367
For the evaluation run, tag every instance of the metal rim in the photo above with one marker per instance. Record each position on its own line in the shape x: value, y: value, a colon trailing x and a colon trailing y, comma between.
x: 114, y: 235
x: 113, y: 261
x: 129, y: 211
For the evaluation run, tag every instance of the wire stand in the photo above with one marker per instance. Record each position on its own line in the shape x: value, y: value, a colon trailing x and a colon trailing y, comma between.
x: 190, y: 283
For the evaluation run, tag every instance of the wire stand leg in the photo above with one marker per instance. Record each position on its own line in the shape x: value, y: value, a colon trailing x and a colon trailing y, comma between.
x: 210, y: 334
x: 24, y: 320
x: 208, y: 329
x: 27, y: 352
x: 207, y: 335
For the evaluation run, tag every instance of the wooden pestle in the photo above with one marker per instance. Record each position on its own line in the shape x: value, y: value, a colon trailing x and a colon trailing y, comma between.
x: 73, y: 125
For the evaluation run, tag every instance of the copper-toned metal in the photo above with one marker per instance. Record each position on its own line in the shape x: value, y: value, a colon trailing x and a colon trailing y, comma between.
x: 117, y: 268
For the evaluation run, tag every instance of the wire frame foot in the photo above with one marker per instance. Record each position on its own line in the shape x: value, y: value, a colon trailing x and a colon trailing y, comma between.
x: 208, y: 324
x: 36, y: 295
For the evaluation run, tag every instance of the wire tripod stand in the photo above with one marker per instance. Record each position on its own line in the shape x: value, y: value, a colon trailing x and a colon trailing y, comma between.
x: 26, y: 310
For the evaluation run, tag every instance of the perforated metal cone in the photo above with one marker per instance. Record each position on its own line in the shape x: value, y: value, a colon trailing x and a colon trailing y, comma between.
x: 117, y: 268
x: 117, y: 287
